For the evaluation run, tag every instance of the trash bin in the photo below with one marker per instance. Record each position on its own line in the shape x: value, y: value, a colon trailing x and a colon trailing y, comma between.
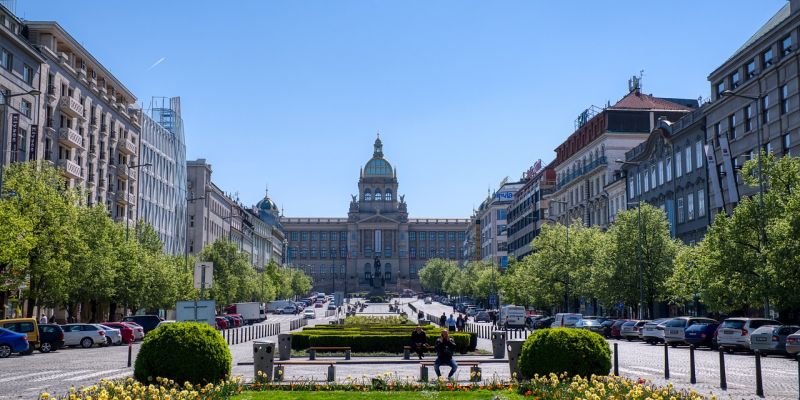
x: 263, y: 359
x: 499, y: 344
x: 285, y: 346
x: 514, y: 348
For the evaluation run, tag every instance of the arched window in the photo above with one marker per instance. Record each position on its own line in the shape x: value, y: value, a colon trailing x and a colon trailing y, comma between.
x: 388, y: 195
x: 367, y: 195
x: 378, y: 195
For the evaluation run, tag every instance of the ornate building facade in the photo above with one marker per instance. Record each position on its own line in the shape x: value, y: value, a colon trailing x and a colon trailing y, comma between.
x: 341, y: 254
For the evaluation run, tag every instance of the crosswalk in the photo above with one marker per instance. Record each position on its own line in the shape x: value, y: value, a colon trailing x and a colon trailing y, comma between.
x: 73, y: 377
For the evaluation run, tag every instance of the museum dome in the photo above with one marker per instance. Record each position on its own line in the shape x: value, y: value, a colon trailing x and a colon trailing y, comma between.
x: 378, y: 166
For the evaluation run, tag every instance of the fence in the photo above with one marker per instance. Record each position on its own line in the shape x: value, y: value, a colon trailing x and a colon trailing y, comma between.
x: 297, y: 323
x: 484, y: 331
x: 330, y: 313
x: 250, y: 332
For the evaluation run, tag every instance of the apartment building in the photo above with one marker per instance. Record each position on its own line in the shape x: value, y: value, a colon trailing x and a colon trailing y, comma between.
x: 492, y: 217
x: 528, y: 211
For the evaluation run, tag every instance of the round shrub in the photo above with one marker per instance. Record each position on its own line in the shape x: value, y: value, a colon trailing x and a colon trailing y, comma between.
x: 574, y: 351
x: 183, y: 351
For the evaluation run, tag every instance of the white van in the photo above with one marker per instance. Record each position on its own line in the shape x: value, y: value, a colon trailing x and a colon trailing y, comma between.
x: 566, y: 320
x: 512, y: 316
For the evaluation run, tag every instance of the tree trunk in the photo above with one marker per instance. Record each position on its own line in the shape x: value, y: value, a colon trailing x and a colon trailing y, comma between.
x: 93, y: 311
x: 112, y: 311
x: 31, y: 298
x: 3, y: 299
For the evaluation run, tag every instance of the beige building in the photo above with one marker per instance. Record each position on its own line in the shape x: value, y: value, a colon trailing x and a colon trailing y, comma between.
x: 377, y: 246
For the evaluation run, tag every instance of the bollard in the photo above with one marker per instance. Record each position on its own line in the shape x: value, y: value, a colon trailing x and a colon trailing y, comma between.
x: 312, y: 354
x: 616, y: 359
x: 331, y: 373
x: 263, y: 359
x: 347, y: 354
x: 759, y: 384
x: 723, y: 382
x: 278, y: 373
x: 666, y: 360
x: 423, y: 373
x: 692, y: 374
x: 406, y: 354
x: 130, y: 352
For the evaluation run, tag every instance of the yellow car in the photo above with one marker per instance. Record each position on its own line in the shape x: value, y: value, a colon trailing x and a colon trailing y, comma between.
x: 28, y: 326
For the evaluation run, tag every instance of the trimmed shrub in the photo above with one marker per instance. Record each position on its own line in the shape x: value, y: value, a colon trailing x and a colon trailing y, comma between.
x: 376, y: 299
x: 184, y: 352
x: 559, y: 350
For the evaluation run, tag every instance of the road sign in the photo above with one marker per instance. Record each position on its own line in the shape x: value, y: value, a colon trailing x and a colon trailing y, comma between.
x: 493, y: 300
x: 200, y: 311
x: 203, y: 275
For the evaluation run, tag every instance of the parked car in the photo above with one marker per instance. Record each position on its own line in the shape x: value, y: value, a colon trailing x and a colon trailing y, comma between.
x: 13, y: 342
x: 589, y: 324
x: 566, y: 320
x: 138, y: 330
x: 511, y: 316
x: 84, y: 335
x: 471, y: 311
x: 734, y: 333
x: 147, y: 322
x: 27, y: 326
x: 221, y: 323
x: 606, y: 327
x: 51, y: 338
x: 793, y: 343
x: 616, y: 329
x: 318, y: 304
x: 332, y: 306
x: 653, y: 331
x: 291, y: 309
x: 482, y: 316
x: 544, y: 323
x: 631, y: 329
x: 113, y: 335
x: 771, y: 339
x: 237, y: 320
x: 701, y: 334
x: 124, y: 329
x: 674, y: 329
x: 309, y: 314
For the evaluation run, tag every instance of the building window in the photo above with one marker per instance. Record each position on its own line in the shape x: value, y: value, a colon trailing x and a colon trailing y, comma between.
x: 323, y: 236
x: 735, y: 80
x: 460, y: 236
x: 451, y: 236
x: 343, y: 252
x: 367, y: 195
x: 304, y: 236
x: 22, y: 149
x: 25, y: 108
x: 303, y: 252
x: 412, y: 235
x: 631, y: 188
x: 378, y: 196
x: 669, y: 169
x: 334, y: 236
x: 431, y: 236
x: 787, y: 142
x: 751, y: 69
x: 786, y: 45
x: 27, y: 74
x: 333, y: 252
x: 690, y: 206
x: 731, y: 127
x: 748, y: 118
x: 660, y: 172
x: 678, y: 164
x: 765, y: 108
x: 441, y: 252
x: 313, y: 236
x: 323, y: 252
x: 688, y: 159
x: 784, y: 99
x: 412, y: 251
x: 652, y: 176
x: 768, y: 148
x: 7, y: 60
x: 294, y: 236
x: 501, y: 230
x: 502, y: 214
x: 698, y: 154
x: 441, y: 236
x: 720, y: 88
x: 639, y: 183
x: 388, y: 195
x: 701, y: 203
x: 680, y: 210
x: 767, y: 59
x: 422, y: 252
x: 646, y: 181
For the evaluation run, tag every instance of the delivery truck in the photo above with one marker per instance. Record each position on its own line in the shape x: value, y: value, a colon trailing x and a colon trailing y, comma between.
x: 251, y: 312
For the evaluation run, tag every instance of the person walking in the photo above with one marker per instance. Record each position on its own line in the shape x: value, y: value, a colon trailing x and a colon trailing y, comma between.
x: 443, y: 320
x: 419, y: 341
x: 460, y: 323
x: 43, y: 319
x: 451, y: 324
x: 445, y: 347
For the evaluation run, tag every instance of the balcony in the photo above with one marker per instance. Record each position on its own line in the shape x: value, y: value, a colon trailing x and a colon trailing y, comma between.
x: 127, y: 147
x: 70, y: 137
x: 582, y: 171
x: 123, y: 196
x: 82, y: 74
x: 71, y: 168
x: 122, y: 171
x: 71, y: 106
x: 51, y: 92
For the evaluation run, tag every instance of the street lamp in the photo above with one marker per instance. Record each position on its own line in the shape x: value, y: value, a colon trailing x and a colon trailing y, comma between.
x: 5, y: 97
x: 638, y: 238
x: 127, y: 217
x: 759, y: 134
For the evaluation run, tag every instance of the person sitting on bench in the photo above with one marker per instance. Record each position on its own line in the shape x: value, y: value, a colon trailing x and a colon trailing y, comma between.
x: 445, y: 346
x: 419, y: 341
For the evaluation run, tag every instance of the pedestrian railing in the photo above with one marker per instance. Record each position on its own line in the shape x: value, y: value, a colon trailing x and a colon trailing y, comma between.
x: 250, y: 332
x: 297, y: 323
x: 484, y: 331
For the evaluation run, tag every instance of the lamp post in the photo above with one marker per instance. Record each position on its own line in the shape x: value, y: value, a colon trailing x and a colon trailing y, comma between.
x: 189, y: 200
x: 127, y: 216
x: 759, y: 136
x: 566, y: 279
x: 638, y: 238
x: 3, y: 150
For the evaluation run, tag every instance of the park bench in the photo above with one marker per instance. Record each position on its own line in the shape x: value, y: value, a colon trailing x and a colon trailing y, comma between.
x: 280, y: 365
x: 474, y: 369
x: 407, y: 351
x: 312, y: 351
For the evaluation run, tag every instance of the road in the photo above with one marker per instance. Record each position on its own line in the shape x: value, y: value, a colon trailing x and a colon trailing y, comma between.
x: 27, y: 376
x: 640, y: 360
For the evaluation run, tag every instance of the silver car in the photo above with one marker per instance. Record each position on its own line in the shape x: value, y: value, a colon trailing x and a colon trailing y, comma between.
x: 631, y: 330
x: 113, y: 335
x: 771, y: 339
x: 734, y: 333
x: 653, y: 331
x: 793, y: 343
x: 84, y: 335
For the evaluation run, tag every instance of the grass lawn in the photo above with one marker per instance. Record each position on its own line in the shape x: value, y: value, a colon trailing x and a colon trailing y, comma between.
x: 350, y: 395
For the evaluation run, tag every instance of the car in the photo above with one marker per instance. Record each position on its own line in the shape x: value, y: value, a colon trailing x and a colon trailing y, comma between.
x: 630, y: 330
x: 221, y: 323
x: 511, y: 316
x: 51, y: 337
x: 84, y: 335
x: 28, y: 326
x: 237, y: 320
x: 734, y: 333
x: 318, y: 305
x: 113, y: 335
x: 147, y: 322
x: 544, y: 323
x: 616, y: 329
x: 12, y: 342
x: 771, y: 339
x: 482, y: 316
x: 290, y: 309
x: 567, y: 320
x: 589, y: 324
x: 606, y: 327
x: 138, y: 330
x: 331, y: 306
x: 428, y: 300
x: 309, y: 314
x: 653, y: 331
x: 674, y: 329
x: 124, y: 329
x: 793, y: 343
x: 701, y: 334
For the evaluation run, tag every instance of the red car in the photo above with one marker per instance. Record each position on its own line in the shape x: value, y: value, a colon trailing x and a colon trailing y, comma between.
x: 222, y: 323
x: 124, y: 329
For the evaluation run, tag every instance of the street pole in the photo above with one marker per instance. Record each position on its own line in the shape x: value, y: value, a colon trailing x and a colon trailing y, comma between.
x: 639, y: 254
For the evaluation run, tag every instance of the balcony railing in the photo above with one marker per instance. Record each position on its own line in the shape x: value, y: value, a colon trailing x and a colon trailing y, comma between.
x: 122, y: 170
x: 71, y: 168
x: 71, y: 106
x: 69, y: 137
x: 581, y: 171
x: 126, y: 146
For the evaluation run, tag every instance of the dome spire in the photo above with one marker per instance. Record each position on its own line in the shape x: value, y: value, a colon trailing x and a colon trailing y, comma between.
x: 378, y: 153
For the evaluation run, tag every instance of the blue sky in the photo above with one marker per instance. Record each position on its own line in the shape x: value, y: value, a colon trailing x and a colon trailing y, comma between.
x: 291, y: 93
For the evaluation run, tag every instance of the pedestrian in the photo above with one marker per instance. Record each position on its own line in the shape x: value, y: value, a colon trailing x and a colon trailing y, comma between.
x: 443, y: 320
x: 445, y: 347
x: 460, y: 323
x: 493, y: 315
x: 43, y: 319
x: 52, y: 318
x: 419, y: 341
x: 420, y: 316
x: 451, y: 323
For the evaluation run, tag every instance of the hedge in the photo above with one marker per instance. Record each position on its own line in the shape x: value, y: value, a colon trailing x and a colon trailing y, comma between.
x: 559, y: 350
x: 371, y: 342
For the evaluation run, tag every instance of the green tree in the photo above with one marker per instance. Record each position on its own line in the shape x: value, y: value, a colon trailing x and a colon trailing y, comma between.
x: 434, y: 274
x: 301, y: 283
x: 234, y: 278
x: 17, y: 239
x: 686, y: 284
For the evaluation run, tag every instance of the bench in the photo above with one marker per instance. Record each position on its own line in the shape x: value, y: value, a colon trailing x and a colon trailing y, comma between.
x: 474, y: 369
x: 279, y: 367
x: 312, y: 351
x: 407, y: 351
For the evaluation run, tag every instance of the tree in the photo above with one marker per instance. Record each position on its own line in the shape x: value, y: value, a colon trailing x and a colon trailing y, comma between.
x: 433, y: 275
x: 16, y: 241
x: 686, y: 284
x: 234, y: 278
x: 301, y: 283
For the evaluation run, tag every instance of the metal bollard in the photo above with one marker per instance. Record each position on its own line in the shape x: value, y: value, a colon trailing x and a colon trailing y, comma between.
x: 616, y: 359
x: 130, y: 352
x: 759, y: 383
x: 666, y: 360
x: 692, y: 374
x: 723, y: 382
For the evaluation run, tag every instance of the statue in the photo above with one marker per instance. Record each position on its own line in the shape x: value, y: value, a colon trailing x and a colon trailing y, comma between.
x: 402, y: 198
x: 352, y: 196
x: 377, y: 267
